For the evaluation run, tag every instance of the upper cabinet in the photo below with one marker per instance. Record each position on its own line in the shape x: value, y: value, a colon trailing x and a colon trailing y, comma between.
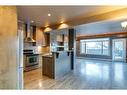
x: 33, y: 29
x: 40, y: 39
x: 72, y: 38
x: 47, y: 39
x: 60, y: 40
x: 36, y: 33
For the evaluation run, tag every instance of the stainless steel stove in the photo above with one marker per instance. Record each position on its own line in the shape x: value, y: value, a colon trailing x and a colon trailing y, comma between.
x: 31, y: 60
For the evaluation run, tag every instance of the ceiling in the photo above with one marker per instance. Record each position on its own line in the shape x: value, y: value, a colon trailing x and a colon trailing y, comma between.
x: 39, y: 14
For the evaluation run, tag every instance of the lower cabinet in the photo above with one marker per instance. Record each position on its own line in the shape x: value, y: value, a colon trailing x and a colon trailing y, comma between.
x: 48, y: 66
x: 57, y: 65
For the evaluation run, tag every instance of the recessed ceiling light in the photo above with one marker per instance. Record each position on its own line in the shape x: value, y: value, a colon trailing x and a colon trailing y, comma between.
x: 32, y: 21
x: 62, y: 22
x: 49, y: 14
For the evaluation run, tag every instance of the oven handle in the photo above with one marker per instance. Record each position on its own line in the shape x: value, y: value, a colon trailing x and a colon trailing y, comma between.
x: 27, y: 58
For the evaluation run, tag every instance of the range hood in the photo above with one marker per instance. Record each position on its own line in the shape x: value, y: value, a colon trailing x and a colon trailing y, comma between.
x: 29, y: 32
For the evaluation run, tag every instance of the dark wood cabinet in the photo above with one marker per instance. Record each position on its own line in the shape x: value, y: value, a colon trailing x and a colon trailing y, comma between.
x: 55, y: 66
x: 71, y: 45
x: 47, y: 39
x: 34, y: 34
x: 48, y: 66
x: 71, y: 39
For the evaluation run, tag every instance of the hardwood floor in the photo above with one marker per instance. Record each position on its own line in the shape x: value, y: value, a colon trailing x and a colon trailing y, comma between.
x: 88, y: 74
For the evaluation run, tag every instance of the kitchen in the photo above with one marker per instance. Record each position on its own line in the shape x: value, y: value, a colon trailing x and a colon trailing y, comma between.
x: 56, y: 49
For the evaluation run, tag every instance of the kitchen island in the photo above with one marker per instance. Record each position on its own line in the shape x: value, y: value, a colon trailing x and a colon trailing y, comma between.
x: 61, y: 59
x: 57, y: 64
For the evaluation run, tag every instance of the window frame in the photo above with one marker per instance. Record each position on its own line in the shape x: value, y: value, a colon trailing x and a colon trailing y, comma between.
x: 95, y: 40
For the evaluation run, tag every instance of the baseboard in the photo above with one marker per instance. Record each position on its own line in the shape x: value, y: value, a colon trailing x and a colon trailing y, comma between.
x: 94, y: 59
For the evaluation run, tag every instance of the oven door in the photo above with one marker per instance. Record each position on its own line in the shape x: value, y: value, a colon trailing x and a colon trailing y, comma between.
x: 31, y: 60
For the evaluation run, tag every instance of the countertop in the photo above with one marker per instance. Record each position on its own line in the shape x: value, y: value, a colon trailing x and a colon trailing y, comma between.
x: 62, y: 51
x: 59, y: 52
x: 47, y: 55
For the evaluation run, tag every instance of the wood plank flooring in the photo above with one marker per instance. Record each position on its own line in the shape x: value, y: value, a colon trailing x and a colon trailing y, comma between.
x: 88, y: 74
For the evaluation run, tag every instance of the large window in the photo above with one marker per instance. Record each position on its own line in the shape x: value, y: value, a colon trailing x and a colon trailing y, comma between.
x: 95, y: 46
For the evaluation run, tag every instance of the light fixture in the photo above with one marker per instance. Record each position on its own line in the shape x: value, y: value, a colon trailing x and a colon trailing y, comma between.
x: 47, y: 29
x: 63, y: 25
x: 32, y: 21
x: 124, y: 24
x: 62, y: 21
x: 49, y: 14
x: 39, y: 49
x: 46, y: 25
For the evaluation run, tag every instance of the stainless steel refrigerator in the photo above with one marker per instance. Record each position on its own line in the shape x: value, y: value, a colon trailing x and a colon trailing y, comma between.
x: 20, y: 56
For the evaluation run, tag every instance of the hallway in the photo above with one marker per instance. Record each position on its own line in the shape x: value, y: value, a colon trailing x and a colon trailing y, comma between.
x: 88, y: 74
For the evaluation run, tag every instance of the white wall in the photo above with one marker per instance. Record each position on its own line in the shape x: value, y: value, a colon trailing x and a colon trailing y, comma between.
x: 98, y: 27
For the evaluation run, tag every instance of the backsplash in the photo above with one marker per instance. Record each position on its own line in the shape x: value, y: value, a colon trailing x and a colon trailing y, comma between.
x: 37, y: 49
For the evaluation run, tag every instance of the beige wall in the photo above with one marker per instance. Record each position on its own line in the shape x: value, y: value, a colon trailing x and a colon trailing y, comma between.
x: 8, y: 47
x: 40, y: 40
x: 46, y: 49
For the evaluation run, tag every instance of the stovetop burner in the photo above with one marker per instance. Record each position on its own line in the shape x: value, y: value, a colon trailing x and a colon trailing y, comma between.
x: 28, y: 51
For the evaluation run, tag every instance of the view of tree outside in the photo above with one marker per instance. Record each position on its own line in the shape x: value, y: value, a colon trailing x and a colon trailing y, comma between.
x: 95, y: 46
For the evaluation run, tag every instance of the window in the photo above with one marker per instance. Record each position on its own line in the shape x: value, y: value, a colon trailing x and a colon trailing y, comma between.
x: 95, y: 46
x: 82, y: 45
x: 105, y: 47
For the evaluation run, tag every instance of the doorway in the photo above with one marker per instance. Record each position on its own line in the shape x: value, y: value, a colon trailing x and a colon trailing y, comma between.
x: 119, y: 49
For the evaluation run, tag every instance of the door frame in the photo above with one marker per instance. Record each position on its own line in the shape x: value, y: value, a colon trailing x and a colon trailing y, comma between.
x: 124, y: 56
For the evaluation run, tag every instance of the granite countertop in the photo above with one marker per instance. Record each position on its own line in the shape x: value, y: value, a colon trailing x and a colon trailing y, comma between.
x: 50, y: 54
x: 47, y: 55
x: 62, y: 51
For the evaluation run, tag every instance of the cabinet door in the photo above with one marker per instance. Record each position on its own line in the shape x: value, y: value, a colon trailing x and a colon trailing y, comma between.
x: 59, y: 38
x: 44, y: 69
x: 47, y: 39
x: 40, y: 37
x: 48, y: 67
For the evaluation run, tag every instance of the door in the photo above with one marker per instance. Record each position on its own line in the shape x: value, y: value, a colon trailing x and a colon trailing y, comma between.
x: 119, y: 49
